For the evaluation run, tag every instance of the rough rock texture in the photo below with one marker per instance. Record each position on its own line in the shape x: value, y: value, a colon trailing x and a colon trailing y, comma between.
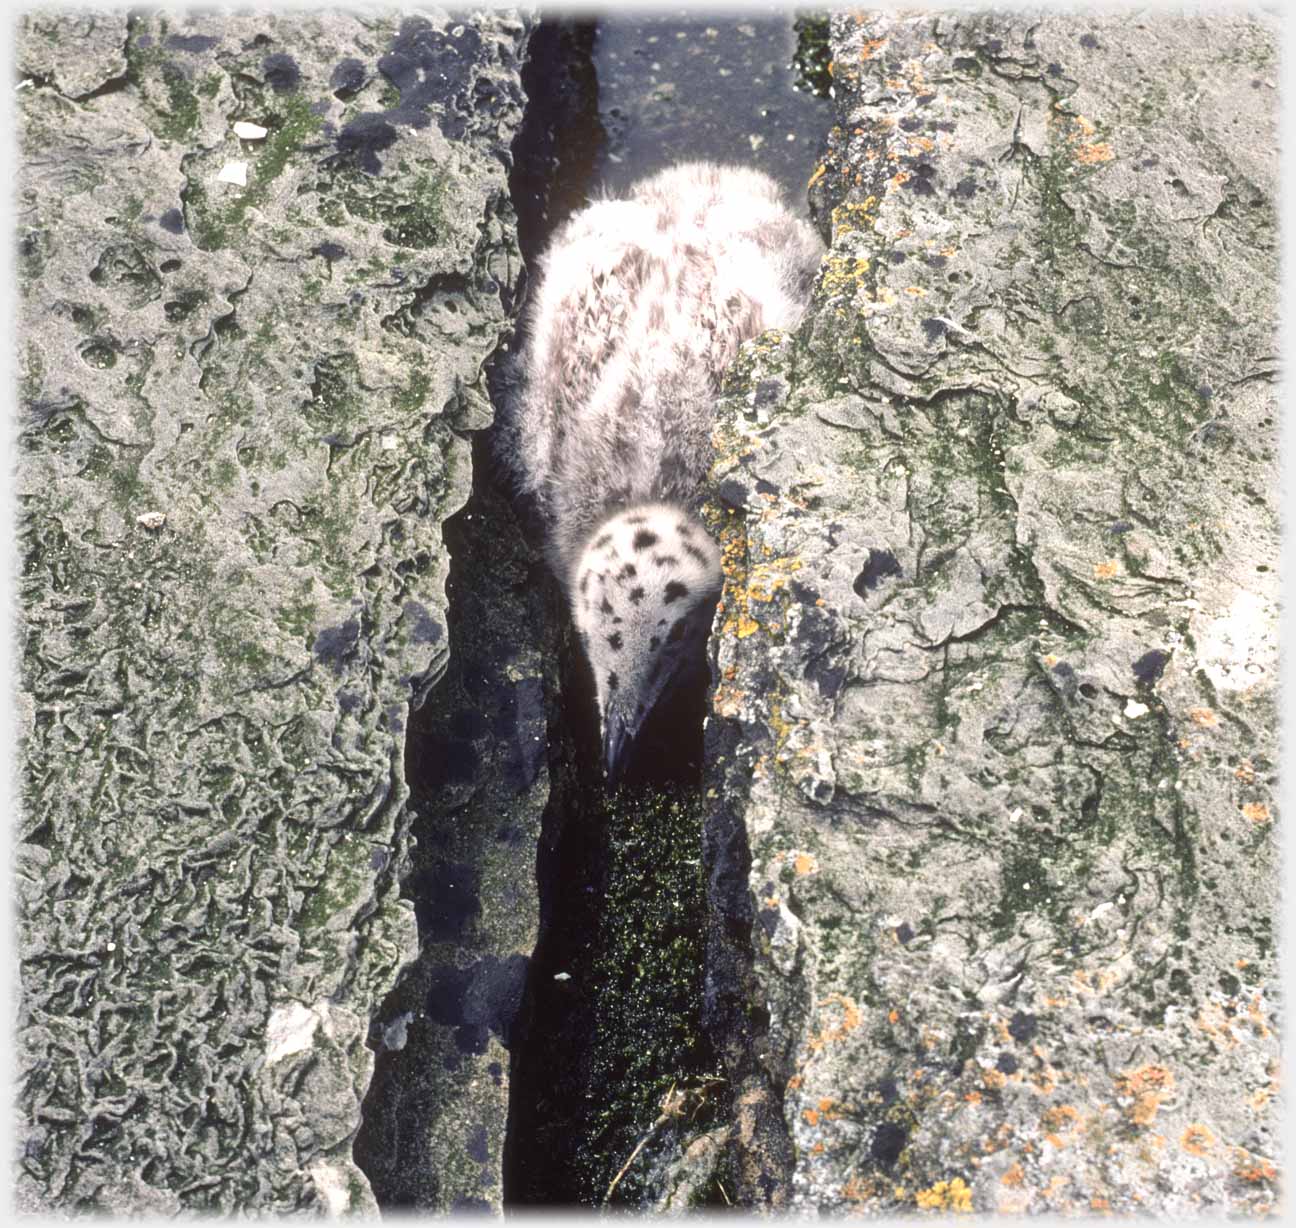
x: 241, y: 405
x: 437, y: 1111
x: 993, y: 868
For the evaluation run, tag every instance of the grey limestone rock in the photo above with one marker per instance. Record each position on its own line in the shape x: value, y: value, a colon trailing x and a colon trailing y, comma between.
x: 993, y: 751
x: 246, y: 365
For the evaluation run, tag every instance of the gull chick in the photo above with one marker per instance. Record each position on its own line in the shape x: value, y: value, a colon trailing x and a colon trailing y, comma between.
x: 639, y: 306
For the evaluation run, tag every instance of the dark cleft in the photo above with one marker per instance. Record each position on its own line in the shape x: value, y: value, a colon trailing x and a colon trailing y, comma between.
x: 880, y: 565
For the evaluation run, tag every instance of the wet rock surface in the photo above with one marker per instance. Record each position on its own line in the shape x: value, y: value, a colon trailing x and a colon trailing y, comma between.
x: 993, y: 747
x: 246, y: 363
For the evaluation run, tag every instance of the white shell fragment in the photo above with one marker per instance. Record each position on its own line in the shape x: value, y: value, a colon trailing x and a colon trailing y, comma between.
x: 151, y: 520
x: 249, y: 132
x: 1134, y: 709
x: 233, y: 172
x: 562, y: 976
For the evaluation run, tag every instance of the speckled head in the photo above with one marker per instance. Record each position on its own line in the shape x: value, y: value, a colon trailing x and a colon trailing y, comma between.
x: 643, y: 593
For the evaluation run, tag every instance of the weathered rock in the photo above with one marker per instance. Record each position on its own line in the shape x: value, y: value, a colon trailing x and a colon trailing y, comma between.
x: 245, y: 365
x: 435, y: 1119
x: 994, y: 752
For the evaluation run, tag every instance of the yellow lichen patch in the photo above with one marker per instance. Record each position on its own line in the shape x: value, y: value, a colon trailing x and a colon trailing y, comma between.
x: 1105, y: 570
x: 843, y: 276
x: 1197, y: 1140
x: 820, y: 171
x: 852, y: 216
x: 916, y: 291
x: 1203, y: 717
x: 1257, y: 812
x: 953, y: 1195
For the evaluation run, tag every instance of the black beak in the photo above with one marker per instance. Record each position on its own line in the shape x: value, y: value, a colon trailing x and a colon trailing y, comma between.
x: 618, y: 741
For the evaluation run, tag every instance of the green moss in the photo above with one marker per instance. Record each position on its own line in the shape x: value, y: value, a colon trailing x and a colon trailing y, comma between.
x: 645, y: 968
x: 213, y: 226
x: 813, y: 55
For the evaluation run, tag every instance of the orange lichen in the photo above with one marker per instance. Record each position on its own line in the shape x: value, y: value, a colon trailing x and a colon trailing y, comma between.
x: 1253, y: 1168
x: 805, y: 863
x: 1245, y: 771
x: 1257, y: 812
x: 1014, y: 1177
x: 1203, y: 716
x: 1146, y: 1087
x: 1099, y: 151
x: 1197, y: 1139
x: 849, y: 1022
x: 1105, y: 571
x: 871, y: 47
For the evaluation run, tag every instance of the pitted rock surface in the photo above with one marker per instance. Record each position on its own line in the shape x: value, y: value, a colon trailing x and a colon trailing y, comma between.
x: 994, y: 748
x: 245, y: 365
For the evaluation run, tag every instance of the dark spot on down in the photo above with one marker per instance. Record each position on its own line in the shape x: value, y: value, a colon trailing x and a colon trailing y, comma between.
x: 645, y: 538
x: 614, y: 641
x: 677, y: 630
x: 694, y: 553
x: 665, y: 560
x: 613, y: 681
x: 628, y: 572
x: 606, y: 606
x: 636, y: 594
x: 674, y: 591
x: 654, y: 643
x: 602, y: 541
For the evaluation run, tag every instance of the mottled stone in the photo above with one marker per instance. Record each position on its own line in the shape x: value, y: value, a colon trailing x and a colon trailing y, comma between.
x: 241, y: 416
x: 993, y: 749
